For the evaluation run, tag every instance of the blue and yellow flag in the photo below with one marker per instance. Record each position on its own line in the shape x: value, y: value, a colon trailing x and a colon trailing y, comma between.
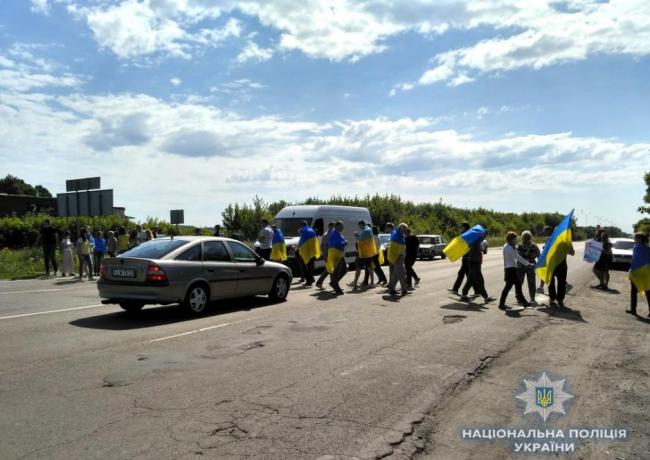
x: 556, y: 249
x: 366, y: 244
x: 640, y: 268
x: 308, y: 246
x: 278, y: 248
x: 335, y: 251
x: 397, y: 246
x: 460, y: 245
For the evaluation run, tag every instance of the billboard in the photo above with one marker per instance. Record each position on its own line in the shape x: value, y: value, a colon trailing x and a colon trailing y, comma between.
x: 87, y: 183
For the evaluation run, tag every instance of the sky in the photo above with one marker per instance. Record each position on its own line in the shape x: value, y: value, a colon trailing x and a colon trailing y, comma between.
x: 525, y: 105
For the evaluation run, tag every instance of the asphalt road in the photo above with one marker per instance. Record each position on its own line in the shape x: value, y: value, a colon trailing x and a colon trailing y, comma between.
x: 314, y: 376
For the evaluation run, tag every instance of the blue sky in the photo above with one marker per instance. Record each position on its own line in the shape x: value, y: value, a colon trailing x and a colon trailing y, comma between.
x: 511, y: 105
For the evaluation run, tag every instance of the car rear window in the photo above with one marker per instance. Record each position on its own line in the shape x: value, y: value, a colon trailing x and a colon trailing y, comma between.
x: 154, y: 249
x: 624, y: 244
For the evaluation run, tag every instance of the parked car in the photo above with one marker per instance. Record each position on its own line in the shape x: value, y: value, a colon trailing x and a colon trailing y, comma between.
x: 290, y: 218
x: 431, y: 246
x: 190, y: 270
x: 622, y: 250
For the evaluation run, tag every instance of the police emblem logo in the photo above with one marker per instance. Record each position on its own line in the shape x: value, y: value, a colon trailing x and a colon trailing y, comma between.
x: 544, y: 396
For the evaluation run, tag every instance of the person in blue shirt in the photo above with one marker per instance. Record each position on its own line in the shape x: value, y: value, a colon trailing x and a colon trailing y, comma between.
x: 99, y: 251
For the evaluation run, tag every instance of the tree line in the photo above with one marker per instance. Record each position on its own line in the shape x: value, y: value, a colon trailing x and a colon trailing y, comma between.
x: 436, y: 218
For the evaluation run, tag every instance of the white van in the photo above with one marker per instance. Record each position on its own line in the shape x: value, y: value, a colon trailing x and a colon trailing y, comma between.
x: 318, y: 216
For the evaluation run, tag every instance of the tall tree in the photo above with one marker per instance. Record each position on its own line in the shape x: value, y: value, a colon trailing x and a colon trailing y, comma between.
x: 16, y: 186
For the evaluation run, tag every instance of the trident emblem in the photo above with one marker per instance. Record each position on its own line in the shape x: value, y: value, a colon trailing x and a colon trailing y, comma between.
x: 544, y: 396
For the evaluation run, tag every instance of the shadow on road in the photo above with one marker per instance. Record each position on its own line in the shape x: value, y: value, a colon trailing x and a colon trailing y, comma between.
x: 160, y: 315
x: 459, y: 306
x: 564, y: 312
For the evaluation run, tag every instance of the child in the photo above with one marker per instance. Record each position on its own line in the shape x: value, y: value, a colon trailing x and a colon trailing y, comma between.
x: 66, y: 253
x: 510, y: 259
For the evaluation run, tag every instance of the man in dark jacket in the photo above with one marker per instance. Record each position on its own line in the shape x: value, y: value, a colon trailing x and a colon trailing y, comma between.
x: 412, y: 246
x: 50, y: 241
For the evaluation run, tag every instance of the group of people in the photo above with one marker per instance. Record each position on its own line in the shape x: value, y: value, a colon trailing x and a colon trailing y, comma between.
x: 332, y: 248
x: 89, y: 248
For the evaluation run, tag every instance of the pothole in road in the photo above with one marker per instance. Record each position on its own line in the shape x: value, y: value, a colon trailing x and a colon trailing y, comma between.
x: 450, y: 319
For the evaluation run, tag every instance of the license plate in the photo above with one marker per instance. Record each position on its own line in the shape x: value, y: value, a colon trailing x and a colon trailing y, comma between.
x: 123, y: 272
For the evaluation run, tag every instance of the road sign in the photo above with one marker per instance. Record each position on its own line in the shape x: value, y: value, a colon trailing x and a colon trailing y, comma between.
x: 87, y: 183
x: 176, y: 216
x: 87, y: 203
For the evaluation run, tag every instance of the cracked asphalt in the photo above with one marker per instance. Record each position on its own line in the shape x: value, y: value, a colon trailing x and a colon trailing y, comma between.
x: 358, y: 376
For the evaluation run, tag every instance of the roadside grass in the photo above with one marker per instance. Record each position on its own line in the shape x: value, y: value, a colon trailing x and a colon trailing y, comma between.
x: 26, y: 263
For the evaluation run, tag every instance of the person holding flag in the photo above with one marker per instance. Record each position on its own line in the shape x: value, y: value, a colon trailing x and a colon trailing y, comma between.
x: 640, y: 271
x: 335, y: 264
x: 396, y: 251
x: 462, y: 271
x: 377, y: 262
x: 324, y: 249
x: 552, y: 267
x: 308, y: 251
x: 278, y: 246
x: 469, y: 242
x: 366, y: 249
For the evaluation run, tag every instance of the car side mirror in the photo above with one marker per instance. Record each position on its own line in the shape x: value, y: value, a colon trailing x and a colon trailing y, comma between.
x: 260, y: 261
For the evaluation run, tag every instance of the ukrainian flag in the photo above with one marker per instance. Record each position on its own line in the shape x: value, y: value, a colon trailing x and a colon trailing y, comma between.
x: 460, y: 245
x: 335, y: 251
x: 278, y: 248
x: 366, y: 244
x: 308, y: 246
x: 397, y: 246
x: 640, y: 269
x: 556, y: 249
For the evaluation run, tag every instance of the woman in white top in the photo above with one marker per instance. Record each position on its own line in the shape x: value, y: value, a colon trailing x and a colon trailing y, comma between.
x: 66, y: 254
x: 510, y: 259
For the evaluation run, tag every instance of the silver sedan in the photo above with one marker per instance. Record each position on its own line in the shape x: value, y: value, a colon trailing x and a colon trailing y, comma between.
x: 191, y: 271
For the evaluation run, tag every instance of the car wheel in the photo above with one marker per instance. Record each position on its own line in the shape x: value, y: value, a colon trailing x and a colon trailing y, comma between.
x: 197, y: 299
x: 280, y: 289
x: 131, y: 307
x: 432, y: 255
x: 443, y: 255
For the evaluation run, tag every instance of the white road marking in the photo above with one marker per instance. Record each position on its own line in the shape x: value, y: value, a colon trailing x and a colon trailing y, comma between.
x: 51, y: 311
x: 203, y: 329
x: 36, y: 290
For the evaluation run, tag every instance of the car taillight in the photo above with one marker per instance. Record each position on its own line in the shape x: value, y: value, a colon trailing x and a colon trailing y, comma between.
x: 155, y: 273
x: 102, y: 271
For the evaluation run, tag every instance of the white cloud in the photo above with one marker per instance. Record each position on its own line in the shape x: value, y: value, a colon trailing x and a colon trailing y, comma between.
x: 134, y: 28
x: 547, y: 36
x: 242, y: 85
x: 253, y: 52
x: 25, y: 72
x: 41, y: 6
x: 175, y: 81
x: 207, y: 152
